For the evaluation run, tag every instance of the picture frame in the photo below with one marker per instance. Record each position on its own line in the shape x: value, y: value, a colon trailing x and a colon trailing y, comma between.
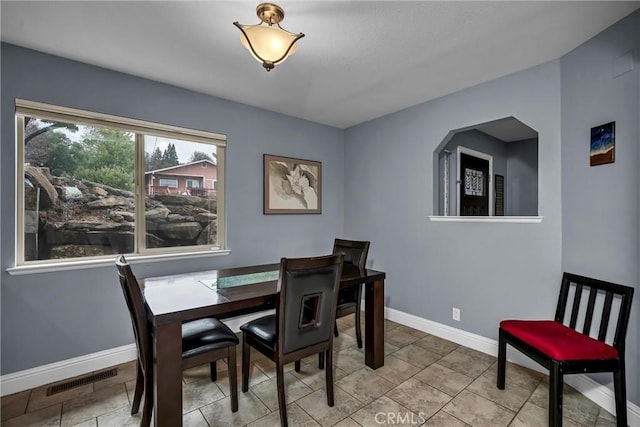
x: 603, y: 144
x: 291, y: 186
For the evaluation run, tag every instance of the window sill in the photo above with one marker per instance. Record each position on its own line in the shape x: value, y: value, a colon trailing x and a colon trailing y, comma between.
x: 108, y: 262
x: 501, y: 219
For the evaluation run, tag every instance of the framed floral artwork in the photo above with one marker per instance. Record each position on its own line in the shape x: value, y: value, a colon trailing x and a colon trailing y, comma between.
x: 292, y: 186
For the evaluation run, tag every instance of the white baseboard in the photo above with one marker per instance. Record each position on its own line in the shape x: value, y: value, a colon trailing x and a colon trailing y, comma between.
x: 58, y: 371
x: 36, y: 377
x: 599, y: 394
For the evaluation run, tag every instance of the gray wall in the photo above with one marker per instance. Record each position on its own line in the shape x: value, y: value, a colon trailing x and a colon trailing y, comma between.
x: 491, y: 271
x: 521, y: 183
x: 56, y: 316
x: 600, y: 204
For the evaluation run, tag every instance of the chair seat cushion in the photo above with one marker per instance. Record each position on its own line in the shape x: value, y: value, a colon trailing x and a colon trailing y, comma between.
x: 203, y: 335
x: 558, y: 341
x: 263, y: 328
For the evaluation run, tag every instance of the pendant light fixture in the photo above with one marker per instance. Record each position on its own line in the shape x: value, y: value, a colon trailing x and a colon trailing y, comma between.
x: 270, y: 44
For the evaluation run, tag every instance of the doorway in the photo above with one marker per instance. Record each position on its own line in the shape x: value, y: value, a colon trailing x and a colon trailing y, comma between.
x: 475, y: 170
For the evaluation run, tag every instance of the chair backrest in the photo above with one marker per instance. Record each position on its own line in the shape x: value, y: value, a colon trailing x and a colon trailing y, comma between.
x: 308, y: 289
x: 599, y: 304
x: 355, y: 251
x: 135, y: 304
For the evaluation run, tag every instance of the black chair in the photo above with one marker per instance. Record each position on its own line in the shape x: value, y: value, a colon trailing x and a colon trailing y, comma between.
x: 355, y: 253
x: 203, y: 341
x: 560, y: 347
x: 302, y: 324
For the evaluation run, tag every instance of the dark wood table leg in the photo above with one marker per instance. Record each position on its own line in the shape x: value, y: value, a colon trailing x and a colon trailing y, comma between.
x: 167, y: 403
x: 374, y: 324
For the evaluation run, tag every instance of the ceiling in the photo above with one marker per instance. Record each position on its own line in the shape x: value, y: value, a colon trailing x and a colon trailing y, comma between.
x: 358, y: 61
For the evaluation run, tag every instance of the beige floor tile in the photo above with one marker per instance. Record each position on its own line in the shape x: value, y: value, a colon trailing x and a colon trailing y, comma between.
x: 268, y: 367
x: 424, y: 378
x: 344, y: 341
x: 412, y: 331
x: 442, y: 419
x: 534, y: 416
x: 256, y: 376
x: 444, y: 379
x: 605, y: 422
x: 399, y: 337
x: 89, y: 423
x: 267, y: 391
x: 14, y: 405
x: 45, y: 417
x: 121, y: 417
x: 199, y: 393
x: 347, y: 422
x: 396, y: 370
x: 478, y: 411
x: 100, y: 402
x: 575, y: 406
x: 126, y: 372
x: 512, y: 397
x: 464, y: 363
x: 250, y: 408
x: 194, y: 419
x: 349, y: 360
x: 478, y: 354
x: 39, y: 398
x: 314, y: 377
x: 350, y: 330
x: 388, y: 324
x: 202, y: 371
x: 365, y: 385
x: 417, y: 355
x: 419, y: 397
x: 436, y: 345
x: 315, y: 404
x: 386, y: 412
x: 517, y: 374
x: 295, y: 417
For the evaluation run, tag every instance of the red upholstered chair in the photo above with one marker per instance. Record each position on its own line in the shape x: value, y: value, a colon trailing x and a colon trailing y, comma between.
x: 566, y: 344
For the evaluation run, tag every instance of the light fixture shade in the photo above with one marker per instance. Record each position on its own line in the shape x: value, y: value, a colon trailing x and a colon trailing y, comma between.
x: 269, y: 44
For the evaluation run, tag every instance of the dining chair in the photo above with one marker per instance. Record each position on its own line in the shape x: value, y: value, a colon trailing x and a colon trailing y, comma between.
x: 355, y: 253
x: 566, y: 344
x: 203, y: 341
x: 302, y: 324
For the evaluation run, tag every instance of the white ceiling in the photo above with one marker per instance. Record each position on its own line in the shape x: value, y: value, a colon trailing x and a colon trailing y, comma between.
x: 359, y: 60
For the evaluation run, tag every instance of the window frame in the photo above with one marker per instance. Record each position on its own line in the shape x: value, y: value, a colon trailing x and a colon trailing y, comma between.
x: 140, y: 128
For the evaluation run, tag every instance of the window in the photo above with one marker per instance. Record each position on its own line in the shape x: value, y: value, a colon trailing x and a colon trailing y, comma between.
x: 193, y: 183
x: 97, y: 185
x: 171, y: 183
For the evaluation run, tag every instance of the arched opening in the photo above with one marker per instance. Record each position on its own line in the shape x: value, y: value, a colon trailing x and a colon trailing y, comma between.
x: 489, y: 169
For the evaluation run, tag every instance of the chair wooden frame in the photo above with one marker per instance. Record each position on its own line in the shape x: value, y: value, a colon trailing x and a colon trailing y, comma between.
x: 142, y: 333
x: 559, y: 368
x: 277, y: 353
x: 355, y: 246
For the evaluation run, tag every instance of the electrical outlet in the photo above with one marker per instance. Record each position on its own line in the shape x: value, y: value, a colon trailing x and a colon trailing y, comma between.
x: 456, y: 314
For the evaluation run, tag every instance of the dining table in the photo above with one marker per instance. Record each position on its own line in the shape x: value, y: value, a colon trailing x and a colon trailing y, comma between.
x: 174, y: 299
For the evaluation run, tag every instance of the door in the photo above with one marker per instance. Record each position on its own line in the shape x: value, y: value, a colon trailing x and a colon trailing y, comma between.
x: 474, y: 186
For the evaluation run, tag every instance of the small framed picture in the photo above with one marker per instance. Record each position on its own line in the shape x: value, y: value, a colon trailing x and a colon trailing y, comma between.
x: 603, y: 144
x: 292, y: 186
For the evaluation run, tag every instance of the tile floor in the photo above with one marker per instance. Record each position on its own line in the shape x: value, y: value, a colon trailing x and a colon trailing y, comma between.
x: 426, y: 381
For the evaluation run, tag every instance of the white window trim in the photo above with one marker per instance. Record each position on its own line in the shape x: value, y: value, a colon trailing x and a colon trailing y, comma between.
x: 139, y: 127
x: 464, y: 150
x: 486, y: 219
